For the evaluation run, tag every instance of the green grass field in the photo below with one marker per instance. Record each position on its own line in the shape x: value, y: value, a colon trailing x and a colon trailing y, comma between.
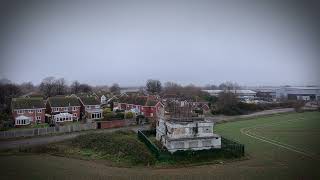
x: 278, y: 141
x: 283, y: 146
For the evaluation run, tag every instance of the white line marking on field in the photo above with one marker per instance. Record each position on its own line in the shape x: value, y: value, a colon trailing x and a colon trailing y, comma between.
x: 247, y: 132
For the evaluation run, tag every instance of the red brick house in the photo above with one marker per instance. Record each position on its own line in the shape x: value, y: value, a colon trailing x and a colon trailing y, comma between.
x: 63, y: 109
x: 142, y: 105
x: 28, y: 111
x: 90, y: 106
x: 201, y: 105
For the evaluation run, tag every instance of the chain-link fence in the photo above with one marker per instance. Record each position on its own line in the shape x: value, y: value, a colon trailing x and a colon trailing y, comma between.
x: 229, y: 149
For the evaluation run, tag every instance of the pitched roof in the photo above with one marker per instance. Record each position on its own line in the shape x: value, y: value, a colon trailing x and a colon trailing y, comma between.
x: 27, y: 103
x: 89, y: 101
x: 63, y: 101
x: 141, y: 100
x: 137, y: 100
x: 151, y: 102
x: 170, y: 96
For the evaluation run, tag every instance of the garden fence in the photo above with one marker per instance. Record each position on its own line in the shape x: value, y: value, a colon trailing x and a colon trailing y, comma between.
x: 47, y: 130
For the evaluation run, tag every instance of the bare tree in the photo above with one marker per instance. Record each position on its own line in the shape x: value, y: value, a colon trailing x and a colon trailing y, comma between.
x: 7, y: 92
x: 153, y: 86
x: 27, y: 87
x: 229, y: 86
x: 211, y: 87
x: 189, y: 92
x: 60, y: 86
x: 115, y: 88
x: 85, y: 88
x: 75, y: 87
x: 47, y: 86
x: 227, y: 102
x: 172, y: 88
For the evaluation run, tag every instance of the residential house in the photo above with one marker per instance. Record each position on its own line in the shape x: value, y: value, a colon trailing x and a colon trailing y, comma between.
x: 142, y: 105
x: 91, y: 107
x: 103, y: 99
x: 201, y: 105
x: 62, y: 109
x: 28, y: 111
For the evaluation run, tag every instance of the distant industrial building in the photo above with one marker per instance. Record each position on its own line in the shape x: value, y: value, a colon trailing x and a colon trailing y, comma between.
x: 266, y: 94
x: 242, y: 94
x: 298, y: 93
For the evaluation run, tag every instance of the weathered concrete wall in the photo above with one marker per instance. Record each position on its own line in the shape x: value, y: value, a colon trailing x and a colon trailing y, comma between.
x: 195, y: 144
x: 193, y: 129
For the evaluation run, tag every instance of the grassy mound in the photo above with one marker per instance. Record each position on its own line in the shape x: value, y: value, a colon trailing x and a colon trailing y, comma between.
x: 117, y: 146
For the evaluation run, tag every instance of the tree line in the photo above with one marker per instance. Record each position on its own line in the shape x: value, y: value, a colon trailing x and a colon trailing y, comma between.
x: 51, y: 86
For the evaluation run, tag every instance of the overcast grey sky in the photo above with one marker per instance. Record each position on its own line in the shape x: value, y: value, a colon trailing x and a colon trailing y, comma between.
x: 128, y: 42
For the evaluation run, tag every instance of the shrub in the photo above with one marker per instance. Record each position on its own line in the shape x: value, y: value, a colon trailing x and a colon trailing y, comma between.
x: 107, y: 110
x: 118, y: 110
x: 129, y: 115
x: 298, y: 106
x: 108, y: 116
x: 120, y: 144
x: 119, y: 115
x: 107, y: 113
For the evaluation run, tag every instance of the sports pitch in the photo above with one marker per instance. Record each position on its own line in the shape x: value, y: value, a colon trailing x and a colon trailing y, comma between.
x: 290, y: 142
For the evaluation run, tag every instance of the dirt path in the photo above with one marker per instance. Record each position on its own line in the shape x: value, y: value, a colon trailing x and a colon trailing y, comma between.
x: 223, y: 118
x: 8, y: 144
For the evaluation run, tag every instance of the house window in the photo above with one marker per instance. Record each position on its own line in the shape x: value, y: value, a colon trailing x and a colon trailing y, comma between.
x: 74, y: 114
x: 38, y: 117
x: 65, y: 109
x: 30, y: 111
x: 74, y: 108
x: 22, y: 122
x: 20, y: 111
x: 39, y: 110
x: 97, y: 107
x: 88, y: 107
